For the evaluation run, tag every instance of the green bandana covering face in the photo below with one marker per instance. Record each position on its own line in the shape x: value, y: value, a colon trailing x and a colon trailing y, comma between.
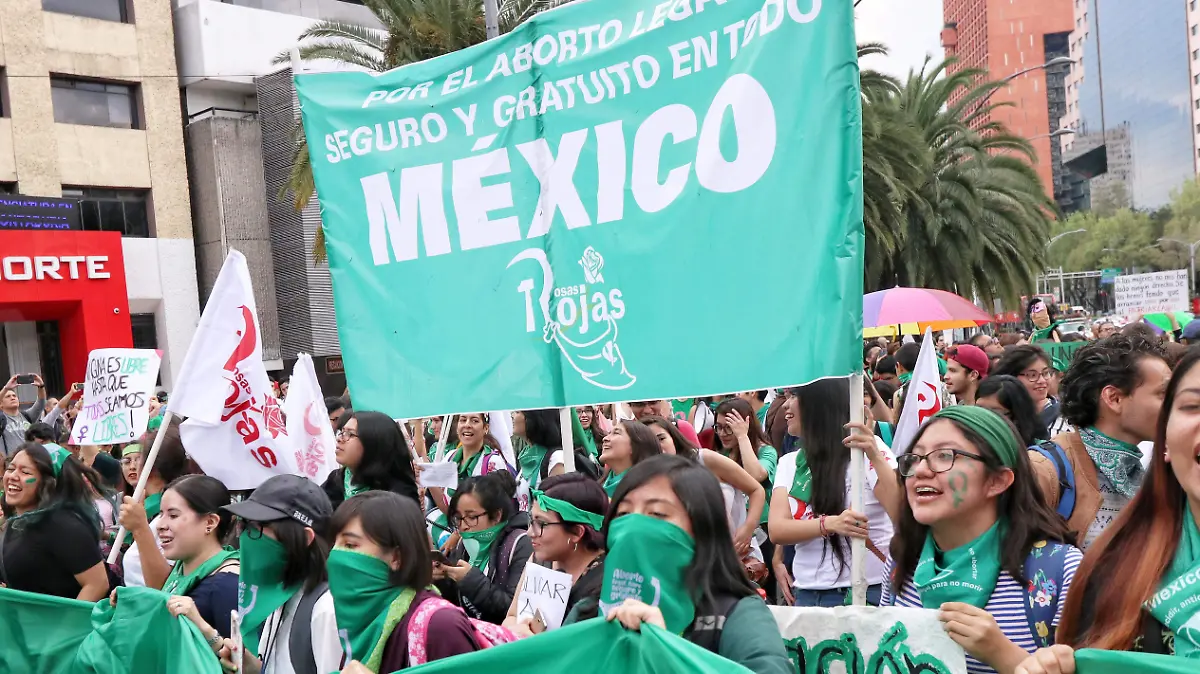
x: 58, y: 456
x: 967, y: 574
x: 646, y: 560
x: 479, y: 544
x: 569, y: 513
x: 180, y: 583
x: 530, y: 459
x: 611, y: 482
x: 1118, y: 461
x: 260, y: 584
x: 349, y: 489
x: 1175, y: 605
x: 362, y: 592
x: 990, y: 426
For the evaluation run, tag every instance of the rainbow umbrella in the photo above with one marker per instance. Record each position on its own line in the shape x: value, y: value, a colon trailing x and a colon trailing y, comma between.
x: 909, y: 311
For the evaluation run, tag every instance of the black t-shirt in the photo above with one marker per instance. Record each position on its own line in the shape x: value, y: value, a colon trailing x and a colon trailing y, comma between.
x: 45, y: 556
x: 215, y: 597
x: 109, y: 469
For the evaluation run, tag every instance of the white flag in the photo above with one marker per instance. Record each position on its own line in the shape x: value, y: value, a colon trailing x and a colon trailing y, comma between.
x: 235, y: 429
x: 923, y: 398
x: 308, y: 426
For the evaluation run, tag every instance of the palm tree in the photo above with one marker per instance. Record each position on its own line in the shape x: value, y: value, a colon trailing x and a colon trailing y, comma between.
x: 413, y: 31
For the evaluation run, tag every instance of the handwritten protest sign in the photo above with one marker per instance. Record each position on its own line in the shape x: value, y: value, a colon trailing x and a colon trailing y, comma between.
x: 1152, y: 293
x: 544, y: 592
x: 116, y: 396
x: 867, y: 639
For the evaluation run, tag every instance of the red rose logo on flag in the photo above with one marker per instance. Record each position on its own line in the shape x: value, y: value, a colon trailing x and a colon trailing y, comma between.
x: 928, y: 402
x: 273, y: 417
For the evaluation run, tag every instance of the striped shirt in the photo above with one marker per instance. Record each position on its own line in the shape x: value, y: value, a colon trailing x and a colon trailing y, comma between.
x: 1007, y: 606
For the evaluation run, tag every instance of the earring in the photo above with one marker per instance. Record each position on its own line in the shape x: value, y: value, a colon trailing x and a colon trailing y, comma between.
x: 576, y: 546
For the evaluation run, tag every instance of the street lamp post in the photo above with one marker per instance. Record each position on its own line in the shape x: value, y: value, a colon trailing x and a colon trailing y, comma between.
x: 1056, y: 61
x: 1054, y: 134
x: 1191, y: 259
x: 1061, y: 279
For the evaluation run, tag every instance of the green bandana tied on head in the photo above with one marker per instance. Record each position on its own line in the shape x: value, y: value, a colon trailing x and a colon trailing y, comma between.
x: 260, y: 584
x: 611, y: 481
x: 993, y: 428
x: 1118, y: 461
x: 569, y: 513
x: 479, y: 544
x: 180, y: 583
x: 966, y: 574
x: 362, y: 593
x: 1175, y: 605
x: 349, y: 489
x: 132, y: 448
x: 58, y: 456
x: 646, y: 561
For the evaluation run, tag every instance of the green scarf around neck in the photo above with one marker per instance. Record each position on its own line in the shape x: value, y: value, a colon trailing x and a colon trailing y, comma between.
x: 1116, y: 460
x: 395, y: 613
x: 260, y: 585
x: 363, y: 593
x: 349, y: 488
x: 467, y: 468
x: 965, y: 574
x: 583, y: 437
x: 180, y: 583
x: 1175, y: 605
x: 530, y: 459
x: 801, y: 489
x: 479, y: 544
x: 612, y: 480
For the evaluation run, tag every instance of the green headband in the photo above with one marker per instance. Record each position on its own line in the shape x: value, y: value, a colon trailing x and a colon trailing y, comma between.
x: 568, y: 512
x: 58, y: 456
x: 131, y: 448
x: 992, y: 427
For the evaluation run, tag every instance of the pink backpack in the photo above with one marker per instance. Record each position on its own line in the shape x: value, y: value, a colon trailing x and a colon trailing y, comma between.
x: 486, y: 634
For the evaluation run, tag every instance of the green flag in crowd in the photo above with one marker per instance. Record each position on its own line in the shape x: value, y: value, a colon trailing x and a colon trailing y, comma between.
x: 1093, y: 661
x: 591, y: 646
x: 52, y: 635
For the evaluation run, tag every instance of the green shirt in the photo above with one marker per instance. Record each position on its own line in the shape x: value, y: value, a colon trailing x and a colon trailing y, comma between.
x: 769, y: 458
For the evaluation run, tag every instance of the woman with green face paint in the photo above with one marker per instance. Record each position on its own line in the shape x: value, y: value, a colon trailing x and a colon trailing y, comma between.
x: 977, y: 542
x: 670, y: 563
x: 283, y: 596
x: 380, y: 571
x: 486, y: 567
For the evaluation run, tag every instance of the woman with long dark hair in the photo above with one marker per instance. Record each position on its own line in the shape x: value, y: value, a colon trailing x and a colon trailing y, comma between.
x: 589, y: 421
x: 811, y: 498
x: 977, y: 541
x: 374, y: 456
x: 51, y: 535
x: 542, y: 435
x: 1136, y: 588
x: 1007, y: 396
x: 627, y: 445
x: 666, y: 522
x: 564, y: 528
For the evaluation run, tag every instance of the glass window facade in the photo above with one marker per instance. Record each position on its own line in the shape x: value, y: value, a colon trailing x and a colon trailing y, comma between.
x: 1136, y: 95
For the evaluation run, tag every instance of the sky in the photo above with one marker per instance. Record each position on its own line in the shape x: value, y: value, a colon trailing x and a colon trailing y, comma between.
x: 910, y: 29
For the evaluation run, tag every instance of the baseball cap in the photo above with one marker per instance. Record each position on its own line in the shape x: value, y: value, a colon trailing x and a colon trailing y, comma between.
x: 1191, y: 331
x: 970, y: 357
x: 286, y: 497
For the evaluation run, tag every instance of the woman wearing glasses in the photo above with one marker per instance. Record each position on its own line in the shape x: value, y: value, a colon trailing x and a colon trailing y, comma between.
x: 1032, y: 366
x: 373, y: 455
x: 564, y: 527
x: 485, y: 569
x: 976, y: 541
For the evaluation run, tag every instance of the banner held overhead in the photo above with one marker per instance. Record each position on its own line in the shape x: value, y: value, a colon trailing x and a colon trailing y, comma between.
x: 523, y: 224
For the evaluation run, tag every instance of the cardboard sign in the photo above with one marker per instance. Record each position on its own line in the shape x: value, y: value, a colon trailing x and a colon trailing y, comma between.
x: 544, y: 594
x: 1152, y: 293
x: 116, y: 396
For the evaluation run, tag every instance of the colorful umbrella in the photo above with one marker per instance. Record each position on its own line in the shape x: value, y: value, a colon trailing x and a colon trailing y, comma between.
x: 911, y: 310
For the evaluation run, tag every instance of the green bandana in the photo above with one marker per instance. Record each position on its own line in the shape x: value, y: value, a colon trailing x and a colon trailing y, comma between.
x: 260, y: 585
x: 1045, y: 334
x: 180, y: 583
x: 395, y: 613
x: 967, y: 573
x: 611, y: 481
x: 349, y: 489
x: 467, y: 469
x: 362, y: 592
x: 530, y: 458
x: 646, y: 560
x: 153, y: 506
x: 132, y: 448
x: 479, y: 544
x: 568, y: 512
x: 1175, y: 605
x: 1118, y: 461
x: 801, y: 484
x: 990, y: 426
x: 58, y: 456
x: 905, y: 378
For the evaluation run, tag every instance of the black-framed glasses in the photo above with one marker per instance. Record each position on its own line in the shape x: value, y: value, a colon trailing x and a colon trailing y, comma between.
x: 536, y: 526
x: 939, y: 460
x: 457, y: 521
x: 1032, y: 376
x: 253, y: 530
x: 346, y: 435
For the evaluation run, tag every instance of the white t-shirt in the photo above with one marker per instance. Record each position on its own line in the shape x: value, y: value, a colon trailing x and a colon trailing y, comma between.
x: 132, y: 562
x: 275, y: 644
x: 736, y: 505
x: 556, y: 459
x: 809, y: 570
x: 1112, y: 503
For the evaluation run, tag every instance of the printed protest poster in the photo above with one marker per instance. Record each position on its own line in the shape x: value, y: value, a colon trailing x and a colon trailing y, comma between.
x: 868, y: 640
x: 544, y: 594
x: 116, y: 396
x: 514, y: 225
x: 1152, y: 293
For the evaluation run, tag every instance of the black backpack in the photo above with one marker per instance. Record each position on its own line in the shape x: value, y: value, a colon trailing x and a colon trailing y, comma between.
x: 706, y: 630
x: 583, y: 464
x: 300, y: 637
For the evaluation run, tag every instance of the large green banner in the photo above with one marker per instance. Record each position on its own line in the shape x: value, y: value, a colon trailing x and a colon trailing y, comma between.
x: 619, y: 200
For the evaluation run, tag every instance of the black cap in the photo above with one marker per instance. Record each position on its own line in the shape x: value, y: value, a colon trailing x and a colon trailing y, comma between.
x: 286, y: 497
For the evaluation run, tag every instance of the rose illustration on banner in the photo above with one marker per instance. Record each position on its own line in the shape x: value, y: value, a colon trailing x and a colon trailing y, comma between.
x: 592, y: 263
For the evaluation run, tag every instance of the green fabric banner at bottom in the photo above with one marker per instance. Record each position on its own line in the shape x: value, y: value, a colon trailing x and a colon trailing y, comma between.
x: 1093, y: 661
x: 52, y: 635
x: 591, y: 646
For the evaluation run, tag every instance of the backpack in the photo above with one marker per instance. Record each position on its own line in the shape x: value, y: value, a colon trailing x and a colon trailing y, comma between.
x: 300, y: 636
x: 583, y: 464
x: 485, y: 634
x: 1044, y: 570
x: 706, y: 630
x: 1066, y: 476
